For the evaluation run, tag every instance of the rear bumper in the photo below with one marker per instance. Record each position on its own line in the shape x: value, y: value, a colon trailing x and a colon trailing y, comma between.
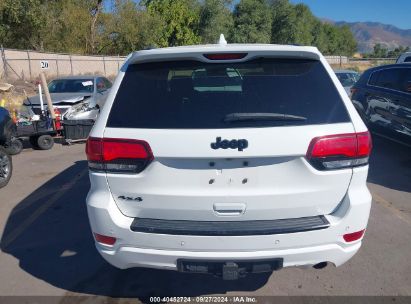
x: 155, y: 250
x: 127, y: 257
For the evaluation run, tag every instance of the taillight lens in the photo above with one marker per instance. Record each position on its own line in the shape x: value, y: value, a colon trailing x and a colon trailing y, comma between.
x: 118, y: 155
x: 225, y: 56
x: 104, y: 239
x: 353, y: 90
x: 339, y: 151
x: 354, y: 236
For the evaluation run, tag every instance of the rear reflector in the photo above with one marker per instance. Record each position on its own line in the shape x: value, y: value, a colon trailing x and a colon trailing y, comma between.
x: 118, y: 155
x: 225, y: 56
x: 351, y: 237
x: 353, y: 90
x: 104, y: 239
x: 339, y: 151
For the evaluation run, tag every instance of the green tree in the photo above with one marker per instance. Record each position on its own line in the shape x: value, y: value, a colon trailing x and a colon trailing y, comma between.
x: 305, y: 22
x: 283, y: 27
x: 379, y: 51
x: 215, y: 18
x: 397, y: 51
x: 252, y: 22
x: 129, y: 29
x: 71, y: 28
x: 83, y: 26
x: 180, y: 20
x: 332, y: 34
x: 320, y: 36
x: 21, y: 23
x: 347, y: 44
x: 296, y: 24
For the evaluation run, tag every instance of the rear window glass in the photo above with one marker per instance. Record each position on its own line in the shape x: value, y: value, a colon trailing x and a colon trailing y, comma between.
x: 71, y: 86
x: 388, y: 78
x: 347, y: 79
x: 408, y: 59
x: 406, y: 80
x: 197, y: 95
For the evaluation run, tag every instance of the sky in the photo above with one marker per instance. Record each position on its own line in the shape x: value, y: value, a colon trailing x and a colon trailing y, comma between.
x: 395, y: 12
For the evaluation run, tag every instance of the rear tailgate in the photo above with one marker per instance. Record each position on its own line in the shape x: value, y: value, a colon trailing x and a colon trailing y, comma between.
x: 179, y: 107
x: 271, y: 179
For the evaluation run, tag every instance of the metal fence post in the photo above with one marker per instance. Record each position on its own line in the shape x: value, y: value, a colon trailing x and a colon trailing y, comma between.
x: 104, y: 66
x: 118, y: 63
x: 28, y: 58
x: 71, y: 65
x: 3, y: 57
x: 57, y: 65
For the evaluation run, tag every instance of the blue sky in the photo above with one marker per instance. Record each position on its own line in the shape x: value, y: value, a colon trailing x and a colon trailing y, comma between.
x: 395, y: 12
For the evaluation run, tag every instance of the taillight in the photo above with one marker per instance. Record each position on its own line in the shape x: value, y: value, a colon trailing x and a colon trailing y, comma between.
x: 225, y: 56
x: 353, y: 90
x: 118, y: 155
x: 354, y: 236
x: 104, y: 239
x: 339, y: 151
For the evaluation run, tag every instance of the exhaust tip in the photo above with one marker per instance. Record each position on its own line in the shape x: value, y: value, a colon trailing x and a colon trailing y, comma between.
x: 320, y: 265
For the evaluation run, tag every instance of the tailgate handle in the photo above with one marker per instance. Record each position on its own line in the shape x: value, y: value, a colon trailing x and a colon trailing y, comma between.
x: 229, y: 209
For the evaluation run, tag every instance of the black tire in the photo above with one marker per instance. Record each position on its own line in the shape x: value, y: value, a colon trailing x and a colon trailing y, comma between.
x: 15, y: 147
x: 33, y: 142
x: 6, y: 167
x: 45, y: 142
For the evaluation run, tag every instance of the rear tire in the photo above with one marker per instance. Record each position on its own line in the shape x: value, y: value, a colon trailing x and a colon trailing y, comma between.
x: 33, y: 142
x: 45, y: 142
x: 6, y: 167
x: 15, y: 147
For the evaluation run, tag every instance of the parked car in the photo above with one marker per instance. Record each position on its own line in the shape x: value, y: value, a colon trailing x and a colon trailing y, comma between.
x: 404, y: 58
x: 347, y: 78
x: 382, y: 96
x: 76, y: 97
x: 7, y: 128
x: 228, y: 159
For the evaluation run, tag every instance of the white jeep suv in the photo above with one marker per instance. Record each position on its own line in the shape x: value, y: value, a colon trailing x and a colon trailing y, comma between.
x: 228, y: 159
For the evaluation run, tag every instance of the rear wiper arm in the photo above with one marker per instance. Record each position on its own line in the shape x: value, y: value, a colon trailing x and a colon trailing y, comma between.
x: 233, y: 117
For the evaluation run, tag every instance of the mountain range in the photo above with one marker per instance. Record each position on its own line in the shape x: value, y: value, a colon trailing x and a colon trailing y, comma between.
x: 368, y: 34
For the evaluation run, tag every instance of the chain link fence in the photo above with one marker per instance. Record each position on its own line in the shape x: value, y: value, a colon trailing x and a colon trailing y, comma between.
x: 26, y: 65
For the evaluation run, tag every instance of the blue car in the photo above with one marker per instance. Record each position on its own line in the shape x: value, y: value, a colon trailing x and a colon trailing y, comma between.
x: 382, y: 96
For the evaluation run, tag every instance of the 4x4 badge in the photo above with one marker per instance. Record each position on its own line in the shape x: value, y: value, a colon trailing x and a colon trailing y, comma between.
x: 239, y: 144
x: 129, y: 198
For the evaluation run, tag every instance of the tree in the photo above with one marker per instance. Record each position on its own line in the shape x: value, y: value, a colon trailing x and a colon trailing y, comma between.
x: 95, y: 9
x: 283, y: 27
x: 332, y: 46
x: 21, y: 22
x: 85, y: 27
x: 296, y: 24
x: 320, y: 36
x: 215, y: 19
x: 180, y: 20
x: 252, y: 22
x: 379, y: 51
x: 129, y: 29
x: 397, y: 51
x: 347, y: 44
x: 304, y: 25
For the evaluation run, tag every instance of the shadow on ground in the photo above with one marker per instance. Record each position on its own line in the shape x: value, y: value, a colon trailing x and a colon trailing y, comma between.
x: 390, y: 165
x: 53, y: 242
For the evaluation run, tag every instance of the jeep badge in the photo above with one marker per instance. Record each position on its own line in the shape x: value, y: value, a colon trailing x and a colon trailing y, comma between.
x: 239, y: 144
